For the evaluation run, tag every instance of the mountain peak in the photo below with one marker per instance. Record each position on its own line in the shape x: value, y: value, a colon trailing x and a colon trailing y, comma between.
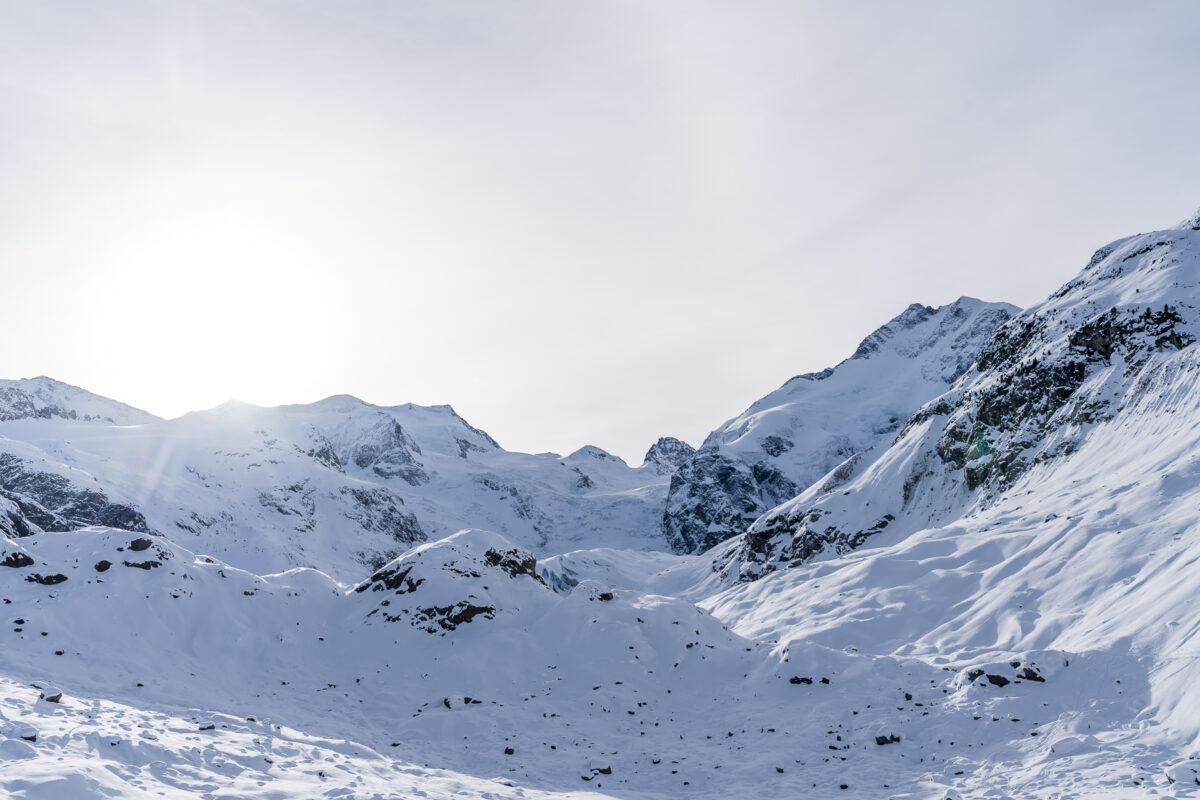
x: 916, y: 315
x: 593, y: 453
x: 46, y: 398
x: 1191, y: 223
x: 668, y: 454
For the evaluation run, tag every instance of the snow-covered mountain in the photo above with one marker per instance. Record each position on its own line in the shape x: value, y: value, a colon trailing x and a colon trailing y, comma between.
x: 340, y: 484
x: 46, y: 398
x: 995, y: 599
x: 796, y: 434
x: 1065, y: 374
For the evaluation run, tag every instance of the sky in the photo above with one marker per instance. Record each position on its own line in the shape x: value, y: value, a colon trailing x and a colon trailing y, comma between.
x: 576, y: 222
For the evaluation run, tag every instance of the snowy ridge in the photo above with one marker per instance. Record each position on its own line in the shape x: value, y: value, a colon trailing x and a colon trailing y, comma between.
x: 339, y: 485
x: 46, y: 398
x: 793, y: 436
x: 1040, y: 387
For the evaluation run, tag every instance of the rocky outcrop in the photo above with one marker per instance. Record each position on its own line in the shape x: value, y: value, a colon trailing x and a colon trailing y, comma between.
x: 53, y: 503
x: 440, y: 586
x: 668, y: 454
x: 16, y: 560
x: 377, y: 509
x: 46, y: 580
x: 389, y: 452
x: 714, y: 496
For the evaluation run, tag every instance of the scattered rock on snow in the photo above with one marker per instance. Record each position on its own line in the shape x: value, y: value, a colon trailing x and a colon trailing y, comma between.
x: 16, y: 560
x: 45, y: 580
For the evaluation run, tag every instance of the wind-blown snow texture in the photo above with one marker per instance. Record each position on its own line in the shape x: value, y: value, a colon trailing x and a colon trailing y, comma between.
x: 996, y: 599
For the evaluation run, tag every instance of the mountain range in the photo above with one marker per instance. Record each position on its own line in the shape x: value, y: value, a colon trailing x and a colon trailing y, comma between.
x: 958, y: 564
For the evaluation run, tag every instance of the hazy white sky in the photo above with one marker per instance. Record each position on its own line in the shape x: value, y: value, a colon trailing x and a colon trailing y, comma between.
x: 577, y: 222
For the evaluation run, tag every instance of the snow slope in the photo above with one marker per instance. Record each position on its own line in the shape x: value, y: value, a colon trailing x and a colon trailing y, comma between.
x: 184, y: 675
x: 793, y: 436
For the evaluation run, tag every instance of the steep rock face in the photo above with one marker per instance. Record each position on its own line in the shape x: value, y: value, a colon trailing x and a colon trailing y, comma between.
x: 1040, y: 386
x: 668, y: 454
x: 45, y: 398
x: 49, y: 502
x: 793, y: 436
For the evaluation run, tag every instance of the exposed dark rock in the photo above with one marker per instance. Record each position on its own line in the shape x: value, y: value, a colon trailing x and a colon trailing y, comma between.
x: 46, y: 398
x: 13, y: 524
x: 46, y: 580
x: 584, y: 482
x: 1030, y: 675
x: 447, y: 618
x: 668, y: 454
x: 395, y: 578
x: 776, y: 446
x: 713, y: 497
x: 465, y: 447
x: 378, y: 509
x: 513, y: 563
x: 390, y: 452
x: 140, y: 544
x: 1017, y: 408
x: 997, y: 680
x: 889, y: 739
x: 323, y: 451
x: 53, y: 503
x: 16, y: 560
x: 795, y: 540
x: 103, y: 565
x: 146, y: 565
x: 796, y: 679
x: 294, y: 500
